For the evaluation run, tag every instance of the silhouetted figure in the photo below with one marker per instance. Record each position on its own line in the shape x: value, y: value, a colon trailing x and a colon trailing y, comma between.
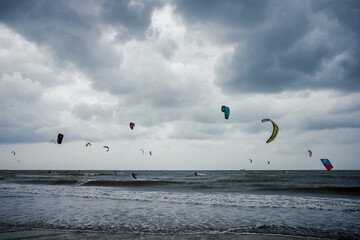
x: 195, y: 174
x: 134, y: 175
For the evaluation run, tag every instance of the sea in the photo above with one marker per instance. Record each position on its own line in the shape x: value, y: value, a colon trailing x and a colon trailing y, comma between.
x: 184, y: 204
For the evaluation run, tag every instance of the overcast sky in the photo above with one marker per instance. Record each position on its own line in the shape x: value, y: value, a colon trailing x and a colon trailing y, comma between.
x: 87, y: 69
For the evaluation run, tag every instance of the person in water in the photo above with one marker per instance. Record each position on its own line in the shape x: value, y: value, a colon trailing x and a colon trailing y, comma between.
x: 195, y: 174
x: 134, y: 175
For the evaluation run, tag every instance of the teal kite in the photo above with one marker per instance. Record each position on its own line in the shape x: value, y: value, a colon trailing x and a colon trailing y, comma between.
x: 226, y: 111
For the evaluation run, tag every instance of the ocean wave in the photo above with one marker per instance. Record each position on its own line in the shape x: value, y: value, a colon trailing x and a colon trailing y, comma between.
x: 218, y: 199
x: 223, y: 185
x: 311, y: 183
x: 50, y: 181
x: 130, y: 183
x: 352, y: 191
x: 116, y: 183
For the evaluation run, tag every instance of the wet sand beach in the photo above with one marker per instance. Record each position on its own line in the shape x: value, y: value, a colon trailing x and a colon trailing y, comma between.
x: 11, y: 233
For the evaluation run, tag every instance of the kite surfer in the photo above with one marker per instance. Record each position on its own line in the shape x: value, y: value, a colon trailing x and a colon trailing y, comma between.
x: 134, y: 175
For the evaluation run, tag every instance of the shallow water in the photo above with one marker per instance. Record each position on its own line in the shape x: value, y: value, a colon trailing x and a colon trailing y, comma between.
x: 298, y: 203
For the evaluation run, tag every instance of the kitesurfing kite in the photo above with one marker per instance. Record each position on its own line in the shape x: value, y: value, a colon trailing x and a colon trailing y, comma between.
x: 226, y: 111
x: 310, y: 153
x: 88, y: 144
x: 13, y: 153
x: 150, y: 153
x: 326, y: 163
x: 142, y: 151
x: 250, y: 160
x: 106, y: 148
x: 132, y: 125
x: 60, y: 138
x: 268, y: 162
x: 275, y: 130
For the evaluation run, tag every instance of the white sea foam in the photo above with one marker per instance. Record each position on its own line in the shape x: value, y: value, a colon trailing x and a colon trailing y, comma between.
x: 218, y: 199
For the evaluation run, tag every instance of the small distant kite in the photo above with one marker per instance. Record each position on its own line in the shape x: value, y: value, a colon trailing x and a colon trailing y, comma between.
x: 60, y: 138
x: 326, y: 163
x: 142, y: 151
x: 275, y: 130
x: 132, y: 125
x: 250, y: 160
x: 226, y: 111
x: 88, y: 144
x: 150, y: 153
x: 106, y: 148
x: 13, y: 153
x: 310, y: 153
x: 268, y: 162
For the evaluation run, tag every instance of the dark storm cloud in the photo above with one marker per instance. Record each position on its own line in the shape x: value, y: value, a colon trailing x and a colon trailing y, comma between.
x: 347, y: 14
x: 283, y: 45
x: 225, y: 13
x: 54, y: 24
x: 134, y: 15
x: 72, y: 30
x: 279, y: 45
x: 48, y: 23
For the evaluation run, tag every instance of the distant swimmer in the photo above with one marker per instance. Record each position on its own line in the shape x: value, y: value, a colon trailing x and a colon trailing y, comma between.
x: 195, y: 173
x: 134, y: 175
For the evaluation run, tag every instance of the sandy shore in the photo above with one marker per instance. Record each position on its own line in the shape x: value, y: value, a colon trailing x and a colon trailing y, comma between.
x: 22, y: 233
